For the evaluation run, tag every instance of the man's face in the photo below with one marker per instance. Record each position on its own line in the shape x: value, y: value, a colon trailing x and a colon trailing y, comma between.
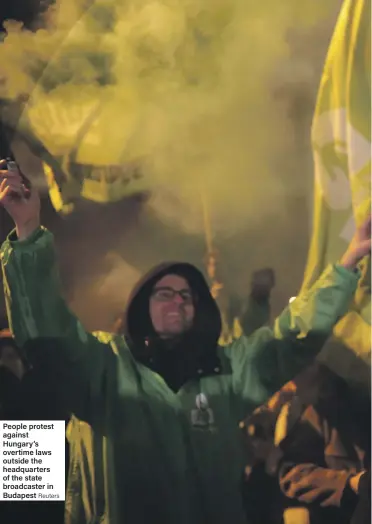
x: 10, y: 359
x: 171, y: 306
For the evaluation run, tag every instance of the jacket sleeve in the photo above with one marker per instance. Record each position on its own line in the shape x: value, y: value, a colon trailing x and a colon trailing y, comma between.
x: 269, y: 358
x: 39, y: 319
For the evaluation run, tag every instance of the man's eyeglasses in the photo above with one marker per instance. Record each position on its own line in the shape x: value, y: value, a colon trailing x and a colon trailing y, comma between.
x: 166, y: 294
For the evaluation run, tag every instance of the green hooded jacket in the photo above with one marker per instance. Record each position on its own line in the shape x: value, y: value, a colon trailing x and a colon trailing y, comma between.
x: 142, y: 452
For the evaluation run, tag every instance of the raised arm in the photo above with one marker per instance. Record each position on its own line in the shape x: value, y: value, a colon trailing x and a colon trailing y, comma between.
x: 38, y: 316
x: 257, y: 311
x: 269, y: 358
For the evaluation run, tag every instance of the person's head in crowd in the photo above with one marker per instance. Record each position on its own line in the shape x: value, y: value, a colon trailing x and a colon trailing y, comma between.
x: 263, y: 281
x: 172, y: 323
x: 172, y: 306
x: 170, y: 302
x: 169, y: 312
x: 11, y: 356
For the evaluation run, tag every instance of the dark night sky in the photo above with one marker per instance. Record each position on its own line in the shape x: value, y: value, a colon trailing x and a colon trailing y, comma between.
x: 23, y: 10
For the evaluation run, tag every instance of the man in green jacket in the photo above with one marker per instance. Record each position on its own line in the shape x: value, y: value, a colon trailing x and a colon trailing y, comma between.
x: 155, y: 437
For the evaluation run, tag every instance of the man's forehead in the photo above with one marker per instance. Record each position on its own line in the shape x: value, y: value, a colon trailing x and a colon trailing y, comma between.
x: 174, y: 281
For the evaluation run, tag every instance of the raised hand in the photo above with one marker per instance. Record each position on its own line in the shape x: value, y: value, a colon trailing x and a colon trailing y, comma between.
x: 360, y: 245
x: 20, y: 200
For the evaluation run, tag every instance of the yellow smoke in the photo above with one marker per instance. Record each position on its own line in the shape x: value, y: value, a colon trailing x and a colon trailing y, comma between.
x: 184, y: 88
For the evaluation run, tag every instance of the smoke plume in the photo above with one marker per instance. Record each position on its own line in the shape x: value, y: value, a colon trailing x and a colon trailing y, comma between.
x: 211, y: 98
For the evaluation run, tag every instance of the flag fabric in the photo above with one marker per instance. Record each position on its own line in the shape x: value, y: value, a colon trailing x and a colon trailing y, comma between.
x: 341, y: 142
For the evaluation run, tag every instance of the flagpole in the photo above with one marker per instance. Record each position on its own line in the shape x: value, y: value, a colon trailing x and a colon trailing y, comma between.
x: 211, y: 254
x: 215, y: 285
x: 207, y: 223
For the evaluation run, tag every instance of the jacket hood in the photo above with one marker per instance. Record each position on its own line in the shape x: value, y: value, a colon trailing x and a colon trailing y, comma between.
x: 199, y: 343
x: 137, y: 325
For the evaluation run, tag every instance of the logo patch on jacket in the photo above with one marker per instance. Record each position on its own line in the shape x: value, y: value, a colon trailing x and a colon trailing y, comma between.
x: 202, y: 417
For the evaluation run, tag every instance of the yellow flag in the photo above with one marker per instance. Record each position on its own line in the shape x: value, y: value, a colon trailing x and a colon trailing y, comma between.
x: 341, y: 141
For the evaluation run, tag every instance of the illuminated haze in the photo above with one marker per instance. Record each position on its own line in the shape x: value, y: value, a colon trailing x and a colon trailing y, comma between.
x: 201, y: 94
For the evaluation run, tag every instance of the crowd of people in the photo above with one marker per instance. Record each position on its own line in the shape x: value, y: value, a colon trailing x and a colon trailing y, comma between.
x: 166, y: 424
x: 310, y: 447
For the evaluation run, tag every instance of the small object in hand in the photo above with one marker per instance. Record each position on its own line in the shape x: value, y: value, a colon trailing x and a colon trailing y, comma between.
x: 26, y: 185
x: 11, y: 165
